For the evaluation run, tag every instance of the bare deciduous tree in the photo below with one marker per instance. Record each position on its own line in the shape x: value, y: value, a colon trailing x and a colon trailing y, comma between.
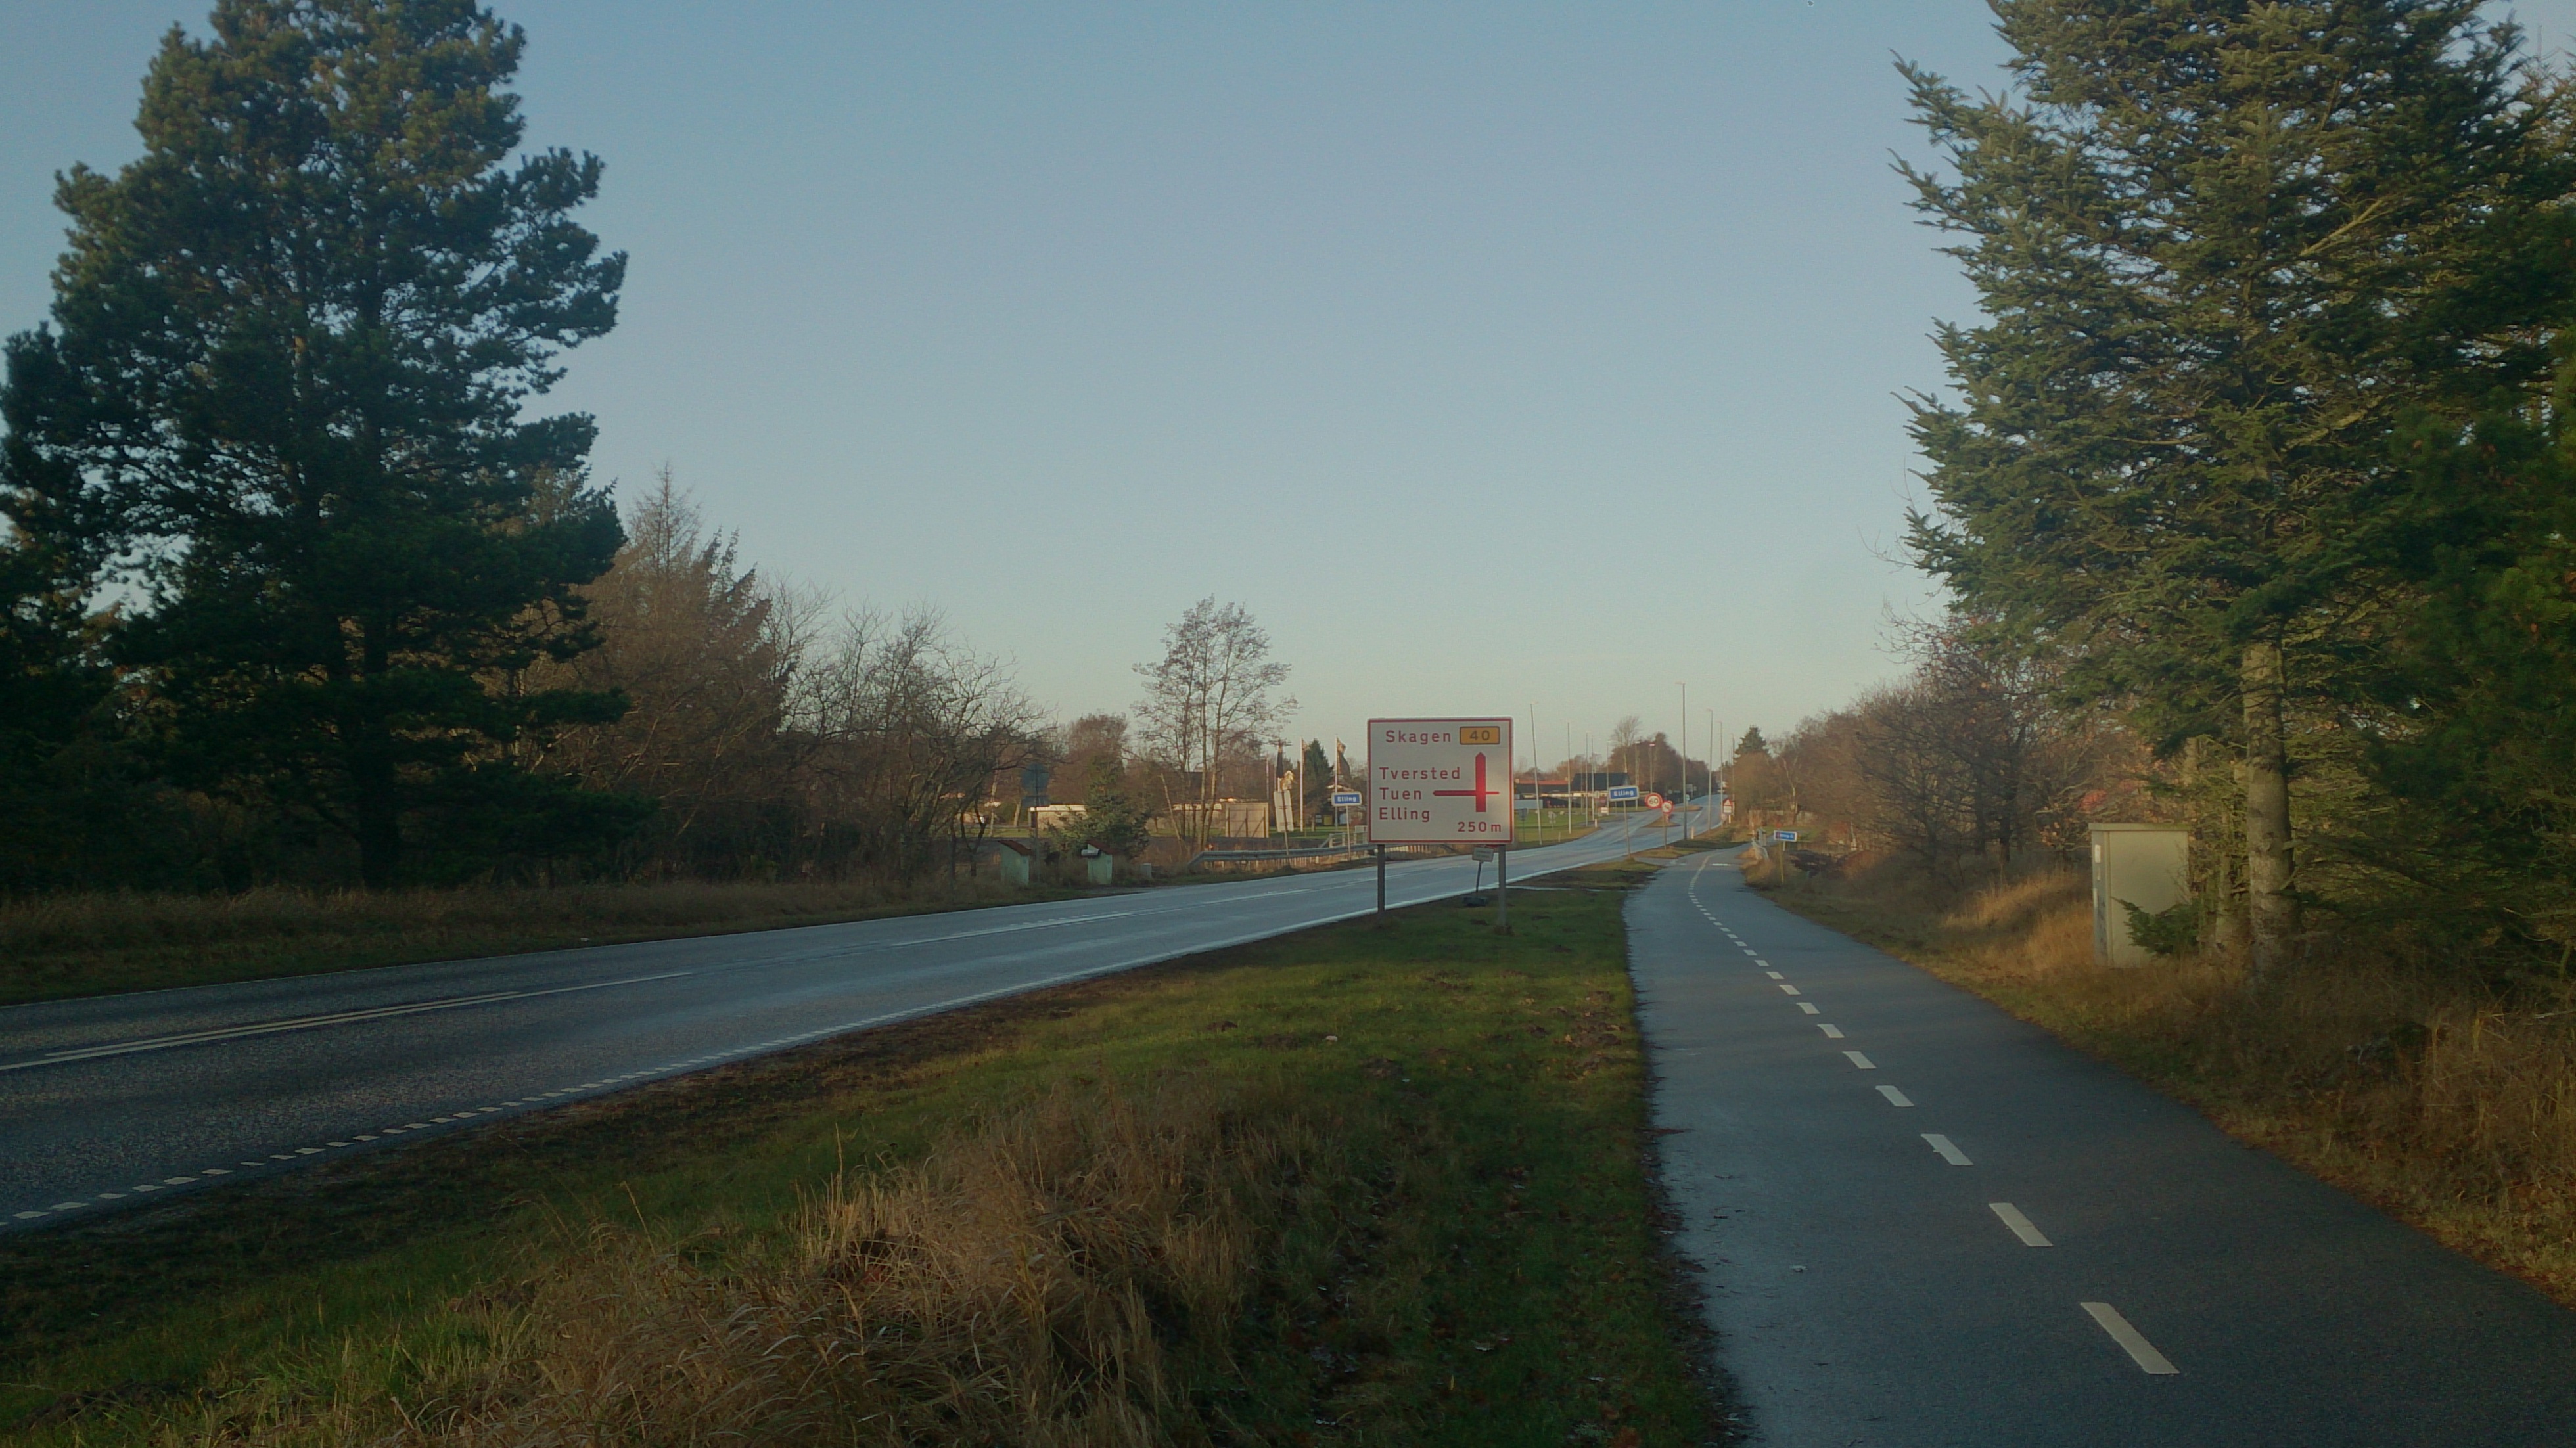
x: 911, y: 729
x: 1090, y: 739
x: 1964, y: 759
x: 1211, y: 700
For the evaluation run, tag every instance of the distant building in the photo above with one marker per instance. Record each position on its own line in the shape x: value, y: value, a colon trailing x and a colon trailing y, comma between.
x: 1529, y: 794
x: 1228, y: 819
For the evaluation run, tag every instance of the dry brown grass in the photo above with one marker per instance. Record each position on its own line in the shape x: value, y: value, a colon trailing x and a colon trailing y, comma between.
x: 1361, y: 1185
x: 1035, y: 1280
x: 2443, y: 1102
x: 89, y: 944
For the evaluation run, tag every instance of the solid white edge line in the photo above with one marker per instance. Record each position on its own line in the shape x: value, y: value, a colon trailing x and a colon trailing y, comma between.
x: 2140, y: 1351
x: 2030, y: 1235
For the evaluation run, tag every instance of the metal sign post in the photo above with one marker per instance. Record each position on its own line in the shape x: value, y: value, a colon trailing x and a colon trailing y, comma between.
x: 1344, y: 801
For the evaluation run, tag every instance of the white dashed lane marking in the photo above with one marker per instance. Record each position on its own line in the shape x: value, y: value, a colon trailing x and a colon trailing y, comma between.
x: 1832, y: 1031
x: 1807, y: 1006
x: 471, y: 1113
x: 1949, y: 1153
x: 1895, y: 1097
x: 1859, y: 1060
x: 1788, y: 990
x: 2140, y: 1351
x: 2021, y: 1225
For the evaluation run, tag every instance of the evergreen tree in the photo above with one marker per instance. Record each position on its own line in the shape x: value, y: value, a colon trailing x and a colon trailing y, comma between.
x: 1113, y: 819
x: 1315, y: 776
x: 2227, y: 253
x: 65, y: 790
x: 2480, y: 755
x: 281, y: 394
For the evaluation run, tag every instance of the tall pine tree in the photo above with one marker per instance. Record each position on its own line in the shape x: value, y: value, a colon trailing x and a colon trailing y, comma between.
x: 280, y: 404
x: 2228, y: 251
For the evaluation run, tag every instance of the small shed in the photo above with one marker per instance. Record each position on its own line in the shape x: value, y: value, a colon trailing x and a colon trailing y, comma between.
x: 1011, y: 859
x: 2148, y: 866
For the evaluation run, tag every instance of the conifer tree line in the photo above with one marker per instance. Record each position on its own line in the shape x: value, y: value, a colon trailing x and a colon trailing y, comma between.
x: 2255, y: 467
x: 301, y: 581
x: 302, y: 584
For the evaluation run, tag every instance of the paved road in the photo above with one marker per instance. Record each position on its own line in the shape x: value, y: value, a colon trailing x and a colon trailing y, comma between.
x: 118, y: 1099
x: 1905, y: 1200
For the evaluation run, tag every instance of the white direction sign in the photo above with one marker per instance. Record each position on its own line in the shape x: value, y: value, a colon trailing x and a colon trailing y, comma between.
x: 1440, y: 781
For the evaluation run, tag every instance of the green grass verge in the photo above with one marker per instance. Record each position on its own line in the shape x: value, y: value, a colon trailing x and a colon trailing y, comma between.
x: 1474, y: 1255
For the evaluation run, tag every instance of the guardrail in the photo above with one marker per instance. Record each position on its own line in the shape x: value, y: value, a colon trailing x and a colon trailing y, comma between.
x: 1249, y: 857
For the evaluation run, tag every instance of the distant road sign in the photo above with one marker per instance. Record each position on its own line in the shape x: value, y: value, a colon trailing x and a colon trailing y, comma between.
x: 1786, y: 837
x: 1654, y: 801
x: 1346, y: 799
x: 1440, y: 781
x: 1623, y: 791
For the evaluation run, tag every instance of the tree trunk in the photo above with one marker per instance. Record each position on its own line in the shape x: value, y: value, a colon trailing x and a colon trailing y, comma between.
x: 378, y: 815
x: 2217, y: 817
x: 2272, y: 911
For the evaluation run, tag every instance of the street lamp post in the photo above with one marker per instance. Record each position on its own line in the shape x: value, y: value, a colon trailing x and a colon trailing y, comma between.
x: 1681, y: 754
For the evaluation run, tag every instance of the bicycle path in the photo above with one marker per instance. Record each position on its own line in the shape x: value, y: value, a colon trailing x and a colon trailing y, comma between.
x: 1923, y: 1222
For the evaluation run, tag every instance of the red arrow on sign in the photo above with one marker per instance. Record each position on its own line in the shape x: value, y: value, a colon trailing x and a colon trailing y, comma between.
x: 1480, y: 792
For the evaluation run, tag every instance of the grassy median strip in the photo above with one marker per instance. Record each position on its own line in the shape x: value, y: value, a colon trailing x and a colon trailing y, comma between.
x: 1358, y: 1185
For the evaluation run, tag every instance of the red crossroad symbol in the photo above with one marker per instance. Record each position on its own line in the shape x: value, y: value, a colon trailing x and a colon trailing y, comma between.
x: 1480, y: 791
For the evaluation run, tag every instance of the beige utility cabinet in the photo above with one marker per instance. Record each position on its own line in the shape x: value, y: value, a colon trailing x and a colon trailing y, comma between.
x: 2148, y: 866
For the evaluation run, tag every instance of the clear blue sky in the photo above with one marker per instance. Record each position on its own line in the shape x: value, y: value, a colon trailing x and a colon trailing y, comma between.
x: 1492, y: 355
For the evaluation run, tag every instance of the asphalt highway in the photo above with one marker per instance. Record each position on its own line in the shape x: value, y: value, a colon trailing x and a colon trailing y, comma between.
x: 111, y: 1101
x: 1923, y: 1222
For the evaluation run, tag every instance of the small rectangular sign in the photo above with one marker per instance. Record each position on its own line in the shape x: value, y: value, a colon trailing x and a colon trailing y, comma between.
x: 1623, y: 791
x: 1786, y: 837
x: 1346, y: 799
x: 1440, y: 781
